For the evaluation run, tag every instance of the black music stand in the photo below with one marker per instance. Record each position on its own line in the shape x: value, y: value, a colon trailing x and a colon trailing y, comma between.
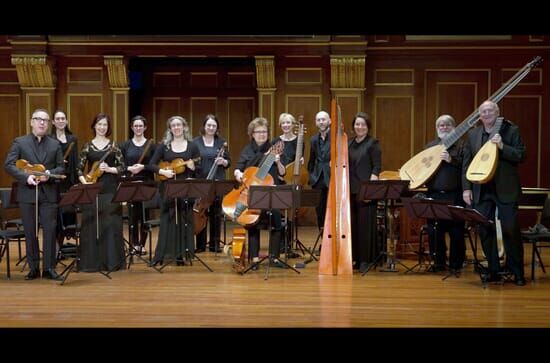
x: 308, y: 198
x: 474, y: 218
x: 221, y: 188
x: 81, y: 194
x: 132, y: 192
x: 429, y: 209
x: 269, y: 197
x: 387, y: 191
x: 187, y: 189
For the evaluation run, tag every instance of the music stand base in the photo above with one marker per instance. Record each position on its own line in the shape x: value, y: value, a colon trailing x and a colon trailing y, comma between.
x: 270, y: 259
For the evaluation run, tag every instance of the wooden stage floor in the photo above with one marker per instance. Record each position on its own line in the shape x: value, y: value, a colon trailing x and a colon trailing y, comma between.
x: 191, y: 296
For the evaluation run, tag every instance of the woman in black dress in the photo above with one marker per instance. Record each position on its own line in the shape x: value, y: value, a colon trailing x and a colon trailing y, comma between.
x: 175, y: 239
x: 69, y: 147
x: 137, y: 153
x: 105, y: 253
x: 210, y: 143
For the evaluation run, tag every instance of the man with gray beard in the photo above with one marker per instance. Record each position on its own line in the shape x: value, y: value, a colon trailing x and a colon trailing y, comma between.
x: 445, y: 185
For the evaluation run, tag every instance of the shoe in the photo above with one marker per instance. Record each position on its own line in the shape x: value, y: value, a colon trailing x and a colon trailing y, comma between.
x: 33, y: 274
x: 179, y: 261
x: 199, y: 250
x: 519, y: 281
x: 155, y: 263
x: 139, y: 250
x: 277, y: 263
x: 363, y: 267
x: 50, y: 274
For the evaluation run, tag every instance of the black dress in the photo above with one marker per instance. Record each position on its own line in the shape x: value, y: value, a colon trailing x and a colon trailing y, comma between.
x: 214, y: 212
x: 174, y: 237
x: 106, y: 252
x: 132, y: 153
x: 67, y: 216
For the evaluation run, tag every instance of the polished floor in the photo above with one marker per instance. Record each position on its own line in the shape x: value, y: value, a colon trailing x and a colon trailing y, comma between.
x: 192, y: 296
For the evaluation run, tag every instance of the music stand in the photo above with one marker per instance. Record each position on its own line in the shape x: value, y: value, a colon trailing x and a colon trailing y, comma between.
x: 428, y: 209
x: 475, y: 218
x: 308, y: 198
x: 186, y: 189
x: 269, y: 197
x: 386, y: 191
x: 221, y: 188
x: 132, y: 192
x: 82, y: 194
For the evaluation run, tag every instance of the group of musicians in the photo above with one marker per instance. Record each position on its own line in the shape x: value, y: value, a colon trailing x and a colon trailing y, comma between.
x: 178, y: 156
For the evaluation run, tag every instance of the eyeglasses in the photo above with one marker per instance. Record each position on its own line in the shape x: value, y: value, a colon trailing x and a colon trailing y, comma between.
x: 40, y: 119
x: 259, y: 132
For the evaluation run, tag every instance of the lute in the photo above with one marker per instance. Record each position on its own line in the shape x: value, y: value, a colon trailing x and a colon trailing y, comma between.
x: 423, y: 165
x: 484, y: 164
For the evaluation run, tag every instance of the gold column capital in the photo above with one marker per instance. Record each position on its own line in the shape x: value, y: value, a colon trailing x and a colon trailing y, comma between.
x: 347, y: 71
x: 118, y: 73
x: 34, y: 71
x: 265, y: 72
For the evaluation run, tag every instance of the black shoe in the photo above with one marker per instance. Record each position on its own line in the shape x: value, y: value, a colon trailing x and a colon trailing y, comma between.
x: 33, y: 274
x: 363, y: 267
x: 179, y: 261
x: 155, y: 263
x: 50, y: 274
x: 520, y: 281
x: 199, y: 250
x: 278, y: 264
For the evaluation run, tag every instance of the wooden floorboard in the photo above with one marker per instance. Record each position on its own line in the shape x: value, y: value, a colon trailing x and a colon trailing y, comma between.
x: 191, y: 296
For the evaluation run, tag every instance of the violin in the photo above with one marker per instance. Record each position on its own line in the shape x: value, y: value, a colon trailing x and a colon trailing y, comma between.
x: 95, y: 172
x: 36, y: 169
x: 177, y: 165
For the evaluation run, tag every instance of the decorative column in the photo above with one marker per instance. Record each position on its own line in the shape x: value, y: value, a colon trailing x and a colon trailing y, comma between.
x: 118, y: 83
x: 265, y: 79
x: 347, y: 83
x: 36, y: 76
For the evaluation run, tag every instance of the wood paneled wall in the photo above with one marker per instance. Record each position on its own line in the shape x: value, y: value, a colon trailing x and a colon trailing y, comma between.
x: 408, y: 83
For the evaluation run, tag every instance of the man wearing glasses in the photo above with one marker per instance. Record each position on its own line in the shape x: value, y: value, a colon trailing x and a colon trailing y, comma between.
x: 446, y: 185
x: 37, y: 148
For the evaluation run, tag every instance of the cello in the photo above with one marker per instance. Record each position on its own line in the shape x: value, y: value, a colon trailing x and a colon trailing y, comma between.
x: 235, y: 203
x: 335, y: 256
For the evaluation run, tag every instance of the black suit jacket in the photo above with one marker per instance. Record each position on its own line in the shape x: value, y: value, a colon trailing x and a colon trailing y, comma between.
x: 506, y: 179
x: 319, y: 161
x: 24, y: 147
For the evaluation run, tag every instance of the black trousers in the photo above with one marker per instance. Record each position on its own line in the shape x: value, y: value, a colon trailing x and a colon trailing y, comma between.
x: 47, y: 215
x: 455, y: 229
x: 275, y: 235
x: 511, y: 234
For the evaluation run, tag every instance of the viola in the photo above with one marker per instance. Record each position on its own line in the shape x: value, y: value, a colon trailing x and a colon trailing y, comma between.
x: 177, y: 165
x: 36, y: 169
